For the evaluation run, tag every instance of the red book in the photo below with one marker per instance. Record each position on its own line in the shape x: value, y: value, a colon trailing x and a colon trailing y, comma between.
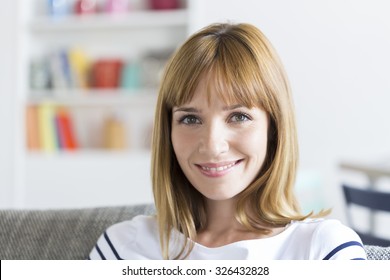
x: 65, y: 130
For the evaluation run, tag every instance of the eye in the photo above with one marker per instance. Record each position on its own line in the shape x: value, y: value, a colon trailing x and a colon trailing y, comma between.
x: 190, y: 120
x: 239, y: 117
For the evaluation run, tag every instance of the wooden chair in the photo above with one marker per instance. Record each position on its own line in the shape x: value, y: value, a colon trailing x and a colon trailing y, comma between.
x: 374, y: 201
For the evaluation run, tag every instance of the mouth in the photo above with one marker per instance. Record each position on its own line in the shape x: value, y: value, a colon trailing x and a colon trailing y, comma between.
x: 217, y: 169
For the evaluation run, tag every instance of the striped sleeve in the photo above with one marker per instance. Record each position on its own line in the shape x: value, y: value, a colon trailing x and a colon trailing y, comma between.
x: 335, y: 241
x: 111, y: 243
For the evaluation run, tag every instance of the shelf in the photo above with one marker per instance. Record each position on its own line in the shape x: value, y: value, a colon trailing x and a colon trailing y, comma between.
x: 136, y: 19
x: 112, y: 97
x: 88, y: 155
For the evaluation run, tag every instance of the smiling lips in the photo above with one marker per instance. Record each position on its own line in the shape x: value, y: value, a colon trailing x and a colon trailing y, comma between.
x: 217, y: 169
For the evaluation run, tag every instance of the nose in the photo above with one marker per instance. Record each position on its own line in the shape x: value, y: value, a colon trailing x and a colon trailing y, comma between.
x: 213, y: 140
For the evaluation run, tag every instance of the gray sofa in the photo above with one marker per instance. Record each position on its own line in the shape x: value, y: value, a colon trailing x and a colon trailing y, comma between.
x: 71, y: 234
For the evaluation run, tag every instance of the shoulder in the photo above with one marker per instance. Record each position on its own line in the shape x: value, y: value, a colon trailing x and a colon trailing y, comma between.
x: 121, y: 240
x: 128, y: 230
x: 330, y: 239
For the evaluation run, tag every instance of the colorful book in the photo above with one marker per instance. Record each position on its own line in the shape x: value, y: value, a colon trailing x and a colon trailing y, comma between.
x: 32, y: 128
x: 60, y: 72
x: 66, y: 68
x: 79, y: 66
x: 47, y: 130
x: 65, y: 130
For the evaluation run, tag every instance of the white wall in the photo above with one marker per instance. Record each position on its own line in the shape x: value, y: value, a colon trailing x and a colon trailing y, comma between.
x: 8, y: 16
x: 337, y: 56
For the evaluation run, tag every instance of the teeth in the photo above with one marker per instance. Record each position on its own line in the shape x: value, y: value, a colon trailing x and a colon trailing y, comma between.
x: 217, y: 169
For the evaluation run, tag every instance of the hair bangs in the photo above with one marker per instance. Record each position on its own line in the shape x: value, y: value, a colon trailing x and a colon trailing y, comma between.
x: 237, y: 90
x: 229, y: 70
x: 181, y: 90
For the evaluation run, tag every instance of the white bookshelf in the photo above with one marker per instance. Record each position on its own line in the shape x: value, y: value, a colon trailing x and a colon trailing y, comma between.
x: 90, y: 176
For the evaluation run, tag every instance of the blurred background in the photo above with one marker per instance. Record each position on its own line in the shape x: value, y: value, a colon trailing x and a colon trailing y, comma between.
x: 79, y: 79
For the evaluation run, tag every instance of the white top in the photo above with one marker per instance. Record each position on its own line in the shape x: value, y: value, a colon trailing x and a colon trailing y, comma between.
x: 312, y: 239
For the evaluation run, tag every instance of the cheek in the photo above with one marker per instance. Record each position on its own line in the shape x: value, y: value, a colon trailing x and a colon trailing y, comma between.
x: 181, y: 142
x: 254, y: 142
x: 175, y: 141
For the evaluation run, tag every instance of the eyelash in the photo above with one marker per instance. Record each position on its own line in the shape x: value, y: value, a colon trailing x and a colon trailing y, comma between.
x: 184, y: 119
x: 241, y: 114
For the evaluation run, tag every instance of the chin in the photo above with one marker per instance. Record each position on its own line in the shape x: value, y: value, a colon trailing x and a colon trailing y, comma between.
x: 219, y: 197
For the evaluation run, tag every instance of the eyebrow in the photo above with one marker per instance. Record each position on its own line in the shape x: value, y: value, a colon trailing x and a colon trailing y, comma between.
x: 194, y: 110
x: 186, y: 109
x: 232, y: 107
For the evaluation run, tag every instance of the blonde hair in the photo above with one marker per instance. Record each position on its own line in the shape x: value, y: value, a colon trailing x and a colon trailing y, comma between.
x: 244, y: 67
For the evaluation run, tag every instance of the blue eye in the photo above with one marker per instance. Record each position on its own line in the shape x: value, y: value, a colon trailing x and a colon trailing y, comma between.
x: 190, y: 120
x: 239, y: 117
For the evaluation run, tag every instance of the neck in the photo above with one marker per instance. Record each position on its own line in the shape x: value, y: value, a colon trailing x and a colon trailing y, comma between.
x: 222, y: 227
x: 221, y: 215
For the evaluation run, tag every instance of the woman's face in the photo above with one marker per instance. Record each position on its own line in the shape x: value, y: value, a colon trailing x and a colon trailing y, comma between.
x: 220, y: 148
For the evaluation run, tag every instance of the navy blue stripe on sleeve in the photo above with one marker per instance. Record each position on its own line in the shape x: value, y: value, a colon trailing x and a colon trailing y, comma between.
x: 358, y: 259
x: 100, y: 252
x: 341, y: 247
x: 112, y: 246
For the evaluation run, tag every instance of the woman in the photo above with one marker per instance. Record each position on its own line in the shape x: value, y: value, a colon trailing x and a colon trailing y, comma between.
x: 224, y: 162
